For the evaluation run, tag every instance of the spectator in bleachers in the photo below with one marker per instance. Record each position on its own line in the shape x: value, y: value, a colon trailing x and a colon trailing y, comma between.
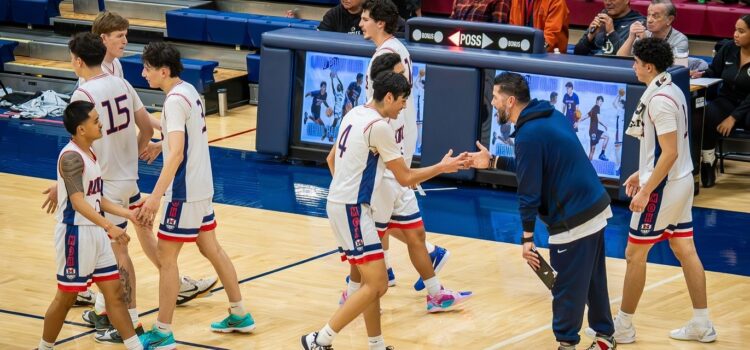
x: 661, y: 15
x: 345, y: 17
x: 550, y: 16
x: 409, y: 8
x: 494, y: 11
x: 731, y: 108
x: 609, y: 29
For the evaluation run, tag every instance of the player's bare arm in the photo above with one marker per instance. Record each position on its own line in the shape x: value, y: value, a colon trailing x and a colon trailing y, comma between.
x: 411, y: 177
x: 71, y: 170
x: 145, y: 129
x: 176, y: 141
x: 330, y: 159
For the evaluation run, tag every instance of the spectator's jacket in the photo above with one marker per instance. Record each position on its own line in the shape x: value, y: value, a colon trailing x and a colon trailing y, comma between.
x: 494, y: 11
x: 550, y: 16
x: 608, y: 44
x: 735, y: 80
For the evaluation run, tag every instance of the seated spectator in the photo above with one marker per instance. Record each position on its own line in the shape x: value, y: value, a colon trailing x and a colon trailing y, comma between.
x: 409, y: 8
x: 609, y: 29
x: 731, y: 108
x: 550, y: 16
x: 493, y: 11
x: 661, y: 15
x: 345, y: 17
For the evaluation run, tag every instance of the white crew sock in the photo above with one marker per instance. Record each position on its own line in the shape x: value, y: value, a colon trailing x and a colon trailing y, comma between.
x: 352, y: 287
x: 700, y: 316
x: 325, y: 336
x: 430, y: 247
x: 99, y: 305
x: 433, y: 286
x: 133, y: 343
x: 708, y: 156
x: 134, y: 317
x: 624, y: 319
x: 43, y: 345
x: 387, y: 261
x: 237, y: 309
x: 163, y: 327
x: 376, y: 343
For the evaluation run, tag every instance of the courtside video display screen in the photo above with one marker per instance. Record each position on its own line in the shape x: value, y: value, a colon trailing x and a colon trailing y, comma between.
x: 333, y: 84
x: 594, y: 109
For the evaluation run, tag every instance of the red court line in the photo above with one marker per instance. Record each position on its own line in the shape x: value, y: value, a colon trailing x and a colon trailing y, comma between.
x: 232, y: 135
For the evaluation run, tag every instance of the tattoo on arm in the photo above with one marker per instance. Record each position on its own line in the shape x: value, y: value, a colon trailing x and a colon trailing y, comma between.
x: 71, y: 168
x: 124, y: 281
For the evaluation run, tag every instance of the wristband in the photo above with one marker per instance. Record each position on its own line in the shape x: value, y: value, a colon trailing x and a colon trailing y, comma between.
x: 529, y: 239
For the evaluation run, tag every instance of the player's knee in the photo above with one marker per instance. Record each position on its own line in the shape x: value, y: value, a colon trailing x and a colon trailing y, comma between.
x: 415, y: 237
x: 635, y: 255
x: 66, y: 299
x: 682, y: 250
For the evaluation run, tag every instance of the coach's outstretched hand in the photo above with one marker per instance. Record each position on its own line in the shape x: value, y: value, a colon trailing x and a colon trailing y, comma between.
x: 481, y: 158
x: 118, y: 235
x: 451, y: 164
x: 51, y: 203
x: 148, y: 211
x: 151, y: 152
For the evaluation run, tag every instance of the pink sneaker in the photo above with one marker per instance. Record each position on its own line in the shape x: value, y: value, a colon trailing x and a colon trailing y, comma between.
x: 446, y: 300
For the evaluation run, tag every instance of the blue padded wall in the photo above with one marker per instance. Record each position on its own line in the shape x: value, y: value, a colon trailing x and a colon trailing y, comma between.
x: 458, y: 110
x: 272, y: 136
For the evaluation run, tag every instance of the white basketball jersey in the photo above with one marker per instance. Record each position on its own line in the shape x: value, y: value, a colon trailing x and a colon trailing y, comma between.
x: 114, y: 68
x: 364, y: 144
x: 92, y: 188
x: 183, y: 111
x: 338, y: 105
x: 405, y: 126
x: 666, y: 112
x: 116, y: 102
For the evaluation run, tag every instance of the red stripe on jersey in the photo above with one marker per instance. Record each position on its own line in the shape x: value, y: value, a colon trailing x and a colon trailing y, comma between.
x: 209, y: 227
x: 370, y: 124
x: 664, y: 236
x: 667, y: 96
x: 366, y: 259
x: 112, y: 277
x: 91, y: 99
x: 409, y: 226
x: 73, y: 289
x: 165, y: 237
x: 181, y: 95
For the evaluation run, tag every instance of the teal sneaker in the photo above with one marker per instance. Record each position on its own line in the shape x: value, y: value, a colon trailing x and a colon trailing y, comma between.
x: 234, y: 323
x: 156, y: 340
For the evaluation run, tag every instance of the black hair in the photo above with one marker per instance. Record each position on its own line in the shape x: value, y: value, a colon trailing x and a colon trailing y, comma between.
x: 513, y: 84
x: 569, y: 85
x: 599, y: 98
x: 392, y: 82
x: 360, y: 76
x: 323, y: 83
x: 552, y: 95
x: 88, y: 47
x: 75, y: 114
x: 654, y: 51
x: 746, y: 19
x: 159, y: 54
x: 384, y: 63
x: 383, y: 10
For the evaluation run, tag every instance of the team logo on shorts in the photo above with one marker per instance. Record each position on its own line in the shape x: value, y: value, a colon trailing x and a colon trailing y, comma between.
x: 171, y: 223
x: 359, y: 245
x: 645, y: 228
x: 70, y: 273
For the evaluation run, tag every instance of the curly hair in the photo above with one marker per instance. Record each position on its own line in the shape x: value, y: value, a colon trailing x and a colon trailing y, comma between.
x: 159, y: 54
x: 655, y: 51
x: 383, y: 10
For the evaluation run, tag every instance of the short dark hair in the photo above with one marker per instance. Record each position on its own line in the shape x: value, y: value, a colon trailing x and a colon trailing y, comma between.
x: 159, y: 54
x: 360, y: 76
x: 569, y: 84
x: 75, y: 114
x: 392, y: 82
x: 323, y: 83
x: 552, y: 95
x: 655, y: 51
x: 513, y: 84
x: 383, y: 10
x: 600, y: 98
x: 384, y: 63
x: 88, y: 47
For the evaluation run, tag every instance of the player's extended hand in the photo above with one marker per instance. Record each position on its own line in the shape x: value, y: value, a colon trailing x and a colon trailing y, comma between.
x: 151, y: 152
x: 725, y: 127
x: 51, y: 203
x: 148, y: 211
x: 117, y: 234
x: 452, y: 164
x: 481, y: 158
x: 531, y: 257
x: 639, y: 201
x: 632, y: 185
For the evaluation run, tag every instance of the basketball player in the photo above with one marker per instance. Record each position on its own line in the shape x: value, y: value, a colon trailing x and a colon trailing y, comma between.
x: 84, y: 252
x: 662, y: 191
x: 353, y: 92
x: 186, y: 183
x: 338, y: 104
x: 113, y: 29
x: 396, y: 206
x: 594, y: 132
x: 365, y: 146
x: 319, y: 98
x: 570, y: 106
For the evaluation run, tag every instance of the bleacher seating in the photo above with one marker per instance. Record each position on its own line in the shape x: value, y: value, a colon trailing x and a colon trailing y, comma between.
x: 35, y: 12
x: 197, y: 72
x: 229, y: 28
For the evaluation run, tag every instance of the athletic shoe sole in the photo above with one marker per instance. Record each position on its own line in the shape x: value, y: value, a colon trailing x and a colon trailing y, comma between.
x: 247, y: 329
x: 181, y: 300
x: 589, y: 332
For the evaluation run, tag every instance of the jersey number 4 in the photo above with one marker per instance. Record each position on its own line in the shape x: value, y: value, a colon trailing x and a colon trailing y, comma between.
x: 342, y: 140
x: 120, y: 111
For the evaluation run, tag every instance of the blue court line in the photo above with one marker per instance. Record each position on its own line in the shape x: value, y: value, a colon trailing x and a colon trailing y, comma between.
x: 16, y: 313
x: 285, y: 267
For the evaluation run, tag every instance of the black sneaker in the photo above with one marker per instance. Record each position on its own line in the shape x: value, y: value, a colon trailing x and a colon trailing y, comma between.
x: 708, y: 174
x: 100, y: 322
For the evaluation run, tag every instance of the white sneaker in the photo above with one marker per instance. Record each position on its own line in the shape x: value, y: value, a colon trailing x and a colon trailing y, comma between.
x: 695, y: 331
x: 624, y: 334
x: 308, y: 342
x: 87, y: 298
x: 191, y: 289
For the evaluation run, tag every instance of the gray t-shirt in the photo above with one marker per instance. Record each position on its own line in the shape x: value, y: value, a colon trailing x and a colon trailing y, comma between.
x: 677, y: 40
